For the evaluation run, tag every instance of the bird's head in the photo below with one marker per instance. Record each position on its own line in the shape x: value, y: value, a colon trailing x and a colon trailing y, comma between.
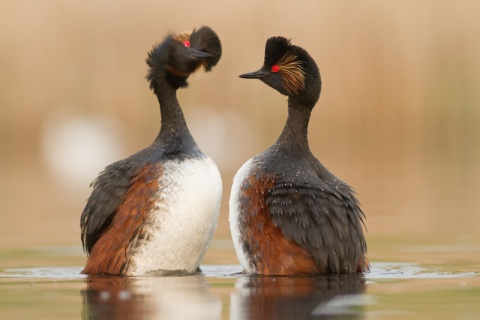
x: 290, y: 70
x: 179, y: 55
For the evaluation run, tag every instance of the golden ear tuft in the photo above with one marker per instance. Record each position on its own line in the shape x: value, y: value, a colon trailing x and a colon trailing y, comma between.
x: 292, y: 73
x: 182, y: 36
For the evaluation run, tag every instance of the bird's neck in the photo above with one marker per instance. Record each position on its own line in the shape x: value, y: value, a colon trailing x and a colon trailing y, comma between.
x: 173, y: 125
x: 295, y: 133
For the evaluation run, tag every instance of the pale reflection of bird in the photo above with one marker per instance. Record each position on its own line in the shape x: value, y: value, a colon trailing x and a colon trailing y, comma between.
x: 306, y: 297
x: 289, y: 215
x: 155, y: 211
x: 166, y: 298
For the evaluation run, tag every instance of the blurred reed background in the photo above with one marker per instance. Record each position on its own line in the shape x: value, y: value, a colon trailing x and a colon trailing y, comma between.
x: 398, y: 117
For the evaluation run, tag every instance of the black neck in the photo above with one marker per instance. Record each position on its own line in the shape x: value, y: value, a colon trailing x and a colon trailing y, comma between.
x: 295, y: 133
x: 174, y: 133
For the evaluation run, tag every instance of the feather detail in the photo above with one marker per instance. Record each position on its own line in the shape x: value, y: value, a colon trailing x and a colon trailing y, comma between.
x: 292, y: 73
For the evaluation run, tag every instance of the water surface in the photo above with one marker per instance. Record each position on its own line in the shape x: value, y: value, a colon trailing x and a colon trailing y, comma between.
x: 391, y: 290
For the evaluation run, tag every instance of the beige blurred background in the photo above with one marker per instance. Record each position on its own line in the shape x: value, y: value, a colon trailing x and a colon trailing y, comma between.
x: 398, y: 117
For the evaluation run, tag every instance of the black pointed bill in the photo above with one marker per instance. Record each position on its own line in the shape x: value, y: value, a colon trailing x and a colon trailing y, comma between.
x: 255, y: 75
x: 200, y: 54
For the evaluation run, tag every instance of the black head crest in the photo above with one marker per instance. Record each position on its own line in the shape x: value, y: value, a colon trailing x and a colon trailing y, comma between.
x: 276, y: 48
x: 180, y: 55
x: 206, y: 40
x: 290, y: 70
x: 161, y: 57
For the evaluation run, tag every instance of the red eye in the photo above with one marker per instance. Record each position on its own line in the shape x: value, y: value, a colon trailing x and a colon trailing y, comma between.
x: 186, y: 43
x: 275, y: 68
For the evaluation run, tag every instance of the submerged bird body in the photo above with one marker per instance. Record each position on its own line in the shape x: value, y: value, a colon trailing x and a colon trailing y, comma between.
x: 288, y: 214
x: 155, y: 211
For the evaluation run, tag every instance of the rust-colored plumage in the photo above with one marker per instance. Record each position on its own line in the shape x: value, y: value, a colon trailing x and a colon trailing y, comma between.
x: 272, y: 253
x: 110, y: 254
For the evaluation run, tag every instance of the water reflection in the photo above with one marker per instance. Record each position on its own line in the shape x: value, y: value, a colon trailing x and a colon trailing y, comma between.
x: 254, y: 297
x: 324, y: 297
x: 186, y: 297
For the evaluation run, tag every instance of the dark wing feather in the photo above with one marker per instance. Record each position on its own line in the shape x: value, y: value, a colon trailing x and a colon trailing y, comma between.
x: 324, y: 219
x: 108, y: 194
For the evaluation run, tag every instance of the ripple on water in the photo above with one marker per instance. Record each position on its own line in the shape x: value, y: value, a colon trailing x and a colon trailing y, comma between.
x: 395, y: 270
x: 379, y: 270
x: 66, y: 273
